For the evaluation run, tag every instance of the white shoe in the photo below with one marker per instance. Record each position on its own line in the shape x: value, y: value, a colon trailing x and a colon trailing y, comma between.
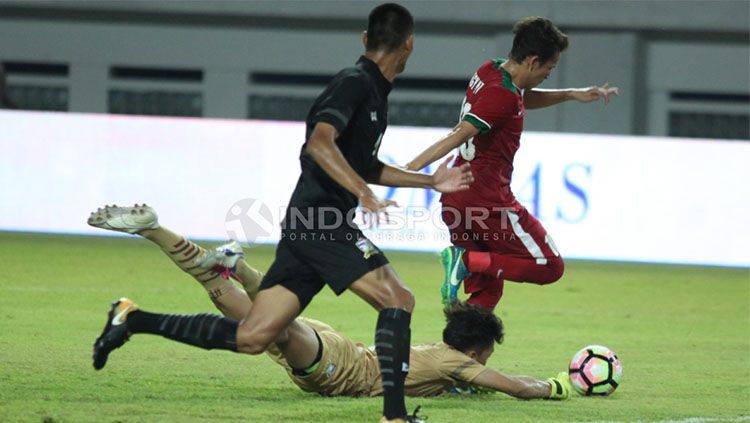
x: 225, y: 255
x: 125, y: 219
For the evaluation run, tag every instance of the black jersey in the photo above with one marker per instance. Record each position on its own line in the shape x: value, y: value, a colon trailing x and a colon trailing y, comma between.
x: 355, y: 102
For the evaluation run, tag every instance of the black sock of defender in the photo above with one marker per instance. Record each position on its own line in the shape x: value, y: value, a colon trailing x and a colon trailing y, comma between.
x: 391, y: 331
x: 203, y: 330
x: 405, y: 350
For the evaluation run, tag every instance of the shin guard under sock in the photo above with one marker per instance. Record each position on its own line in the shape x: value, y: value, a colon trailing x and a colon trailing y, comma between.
x: 392, y: 337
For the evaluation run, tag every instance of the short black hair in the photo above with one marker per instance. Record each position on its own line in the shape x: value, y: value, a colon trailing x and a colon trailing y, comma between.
x: 471, y: 327
x: 537, y: 36
x: 388, y: 27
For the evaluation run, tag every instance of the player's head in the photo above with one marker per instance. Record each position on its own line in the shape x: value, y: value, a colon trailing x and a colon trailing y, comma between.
x: 537, y: 45
x: 472, y: 329
x: 390, y: 29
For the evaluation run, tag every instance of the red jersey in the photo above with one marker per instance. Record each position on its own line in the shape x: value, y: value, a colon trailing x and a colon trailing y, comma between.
x: 494, y: 106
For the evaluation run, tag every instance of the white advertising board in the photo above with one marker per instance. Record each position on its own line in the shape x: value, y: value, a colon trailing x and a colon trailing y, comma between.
x: 600, y: 197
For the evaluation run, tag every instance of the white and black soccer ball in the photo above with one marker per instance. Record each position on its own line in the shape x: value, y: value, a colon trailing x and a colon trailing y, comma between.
x: 595, y: 370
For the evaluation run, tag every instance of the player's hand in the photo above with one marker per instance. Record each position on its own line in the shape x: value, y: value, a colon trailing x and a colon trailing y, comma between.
x: 374, y: 208
x: 560, y: 387
x: 452, y: 179
x: 589, y: 94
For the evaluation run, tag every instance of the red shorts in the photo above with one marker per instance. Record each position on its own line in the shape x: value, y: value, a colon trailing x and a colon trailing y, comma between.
x: 512, y: 233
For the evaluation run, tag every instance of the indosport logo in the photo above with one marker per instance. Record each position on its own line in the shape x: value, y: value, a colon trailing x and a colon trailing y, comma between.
x: 250, y: 221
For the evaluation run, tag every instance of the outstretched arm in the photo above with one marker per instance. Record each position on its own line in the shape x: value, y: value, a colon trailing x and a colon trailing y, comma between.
x: 524, y: 387
x: 537, y: 98
x: 459, y: 135
x: 444, y: 179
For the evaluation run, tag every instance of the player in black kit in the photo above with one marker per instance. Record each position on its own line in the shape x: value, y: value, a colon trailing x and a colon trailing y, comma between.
x: 320, y: 243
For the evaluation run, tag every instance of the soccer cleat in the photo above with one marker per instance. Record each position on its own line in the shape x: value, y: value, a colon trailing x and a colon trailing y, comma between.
x: 413, y: 418
x: 115, y: 332
x: 225, y: 256
x: 130, y: 220
x: 455, y: 272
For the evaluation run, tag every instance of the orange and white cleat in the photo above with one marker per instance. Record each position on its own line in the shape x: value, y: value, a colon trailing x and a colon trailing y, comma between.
x: 115, y: 332
x: 413, y: 418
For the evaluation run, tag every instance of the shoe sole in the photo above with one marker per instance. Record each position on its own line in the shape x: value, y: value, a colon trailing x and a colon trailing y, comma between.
x: 123, y: 211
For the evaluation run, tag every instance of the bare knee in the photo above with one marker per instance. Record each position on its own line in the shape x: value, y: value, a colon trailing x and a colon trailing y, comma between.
x: 391, y: 296
x: 254, y: 341
x: 394, y: 297
x: 406, y: 300
x: 382, y: 288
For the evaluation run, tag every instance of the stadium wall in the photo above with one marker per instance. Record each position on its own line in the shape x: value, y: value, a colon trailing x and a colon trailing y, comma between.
x: 650, y: 49
x: 600, y: 196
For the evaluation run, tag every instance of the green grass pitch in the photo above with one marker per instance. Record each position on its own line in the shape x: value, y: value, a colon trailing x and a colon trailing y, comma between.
x: 682, y: 332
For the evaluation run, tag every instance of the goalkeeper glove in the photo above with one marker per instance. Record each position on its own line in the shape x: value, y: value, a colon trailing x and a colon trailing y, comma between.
x: 560, y: 387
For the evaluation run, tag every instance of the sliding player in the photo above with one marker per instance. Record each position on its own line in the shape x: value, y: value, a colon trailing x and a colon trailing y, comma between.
x: 494, y: 237
x: 339, y: 366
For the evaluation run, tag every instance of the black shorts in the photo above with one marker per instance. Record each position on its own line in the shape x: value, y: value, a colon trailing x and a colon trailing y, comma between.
x: 305, y: 261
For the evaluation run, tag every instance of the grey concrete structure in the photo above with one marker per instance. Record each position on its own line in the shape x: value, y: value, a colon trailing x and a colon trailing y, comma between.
x: 651, y: 49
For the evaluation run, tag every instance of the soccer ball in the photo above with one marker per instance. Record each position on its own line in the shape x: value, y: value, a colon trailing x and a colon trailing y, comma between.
x: 595, y: 370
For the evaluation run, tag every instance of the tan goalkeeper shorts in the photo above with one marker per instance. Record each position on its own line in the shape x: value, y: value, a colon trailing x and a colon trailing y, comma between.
x: 345, y: 369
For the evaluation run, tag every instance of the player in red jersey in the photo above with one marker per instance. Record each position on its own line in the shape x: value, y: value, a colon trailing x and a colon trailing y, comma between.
x: 494, y: 237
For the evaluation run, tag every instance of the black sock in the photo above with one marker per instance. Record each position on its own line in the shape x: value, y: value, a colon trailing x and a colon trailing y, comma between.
x: 405, y: 350
x: 392, y: 337
x: 203, y: 330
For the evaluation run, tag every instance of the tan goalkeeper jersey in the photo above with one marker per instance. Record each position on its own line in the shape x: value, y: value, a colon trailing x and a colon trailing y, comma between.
x: 351, y: 369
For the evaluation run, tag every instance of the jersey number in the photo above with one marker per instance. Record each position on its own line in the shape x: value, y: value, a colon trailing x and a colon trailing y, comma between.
x: 467, y: 149
x: 551, y: 244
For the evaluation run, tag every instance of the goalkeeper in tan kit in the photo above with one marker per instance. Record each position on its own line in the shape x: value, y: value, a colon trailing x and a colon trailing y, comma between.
x: 316, y: 357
